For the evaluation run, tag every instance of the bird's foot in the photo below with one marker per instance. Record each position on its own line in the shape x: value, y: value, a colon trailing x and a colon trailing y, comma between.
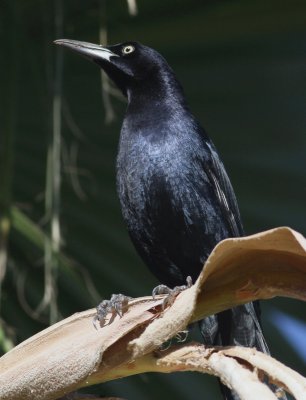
x: 172, y: 293
x: 180, y: 337
x: 117, y: 305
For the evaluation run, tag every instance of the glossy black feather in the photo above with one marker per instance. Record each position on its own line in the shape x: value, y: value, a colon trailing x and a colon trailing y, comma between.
x: 176, y: 197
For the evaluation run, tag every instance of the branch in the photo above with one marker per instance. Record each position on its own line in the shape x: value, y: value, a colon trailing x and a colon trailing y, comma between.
x: 72, y: 354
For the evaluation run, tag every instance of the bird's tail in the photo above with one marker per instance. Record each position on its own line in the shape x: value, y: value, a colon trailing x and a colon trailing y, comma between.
x: 239, y: 326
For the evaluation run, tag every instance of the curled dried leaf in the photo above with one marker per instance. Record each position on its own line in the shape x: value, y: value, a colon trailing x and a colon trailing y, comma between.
x: 73, y: 354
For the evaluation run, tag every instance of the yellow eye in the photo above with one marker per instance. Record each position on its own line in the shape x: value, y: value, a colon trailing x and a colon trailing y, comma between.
x: 128, y: 49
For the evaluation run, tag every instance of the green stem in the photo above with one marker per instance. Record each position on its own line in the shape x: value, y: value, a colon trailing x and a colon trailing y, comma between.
x: 53, y: 181
x: 105, y: 85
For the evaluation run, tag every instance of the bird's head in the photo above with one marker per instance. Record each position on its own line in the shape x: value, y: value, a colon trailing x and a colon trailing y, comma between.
x: 128, y: 64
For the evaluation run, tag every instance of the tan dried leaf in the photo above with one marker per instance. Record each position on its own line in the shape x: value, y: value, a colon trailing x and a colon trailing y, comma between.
x: 73, y: 354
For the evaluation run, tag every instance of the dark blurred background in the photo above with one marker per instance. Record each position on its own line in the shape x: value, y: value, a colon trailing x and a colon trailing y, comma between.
x: 63, y: 245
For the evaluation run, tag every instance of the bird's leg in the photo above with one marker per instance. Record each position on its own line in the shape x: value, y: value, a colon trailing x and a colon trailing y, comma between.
x: 117, y: 305
x: 172, y: 293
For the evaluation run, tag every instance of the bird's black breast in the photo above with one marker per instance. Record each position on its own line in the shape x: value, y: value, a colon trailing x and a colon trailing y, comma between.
x: 168, y: 200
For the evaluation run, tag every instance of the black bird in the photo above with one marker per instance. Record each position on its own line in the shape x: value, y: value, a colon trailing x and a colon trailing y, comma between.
x: 176, y: 197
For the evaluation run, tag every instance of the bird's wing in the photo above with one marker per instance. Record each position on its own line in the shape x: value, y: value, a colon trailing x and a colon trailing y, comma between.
x: 225, y: 193
x: 246, y: 317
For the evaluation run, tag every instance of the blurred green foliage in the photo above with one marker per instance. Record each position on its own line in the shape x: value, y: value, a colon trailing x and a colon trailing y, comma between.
x: 243, y: 67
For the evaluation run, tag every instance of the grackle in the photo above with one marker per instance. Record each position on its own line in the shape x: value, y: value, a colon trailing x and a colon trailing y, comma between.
x: 176, y: 197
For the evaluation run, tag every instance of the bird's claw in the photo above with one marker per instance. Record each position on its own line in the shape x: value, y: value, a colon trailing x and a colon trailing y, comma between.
x: 182, y: 336
x: 172, y: 293
x: 117, y: 305
x: 161, y: 289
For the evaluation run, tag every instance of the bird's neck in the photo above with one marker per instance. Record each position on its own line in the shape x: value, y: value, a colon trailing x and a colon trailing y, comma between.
x: 158, y: 93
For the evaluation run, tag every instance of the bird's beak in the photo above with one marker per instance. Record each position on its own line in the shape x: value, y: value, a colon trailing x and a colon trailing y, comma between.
x: 89, y: 50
